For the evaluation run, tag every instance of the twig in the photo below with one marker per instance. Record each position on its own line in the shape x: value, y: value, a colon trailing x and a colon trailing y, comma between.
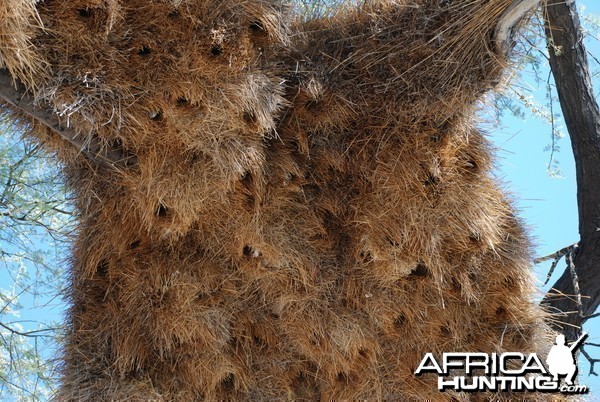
x: 591, y: 360
x: 593, y: 344
x: 587, y: 317
x: 29, y: 334
x: 93, y: 148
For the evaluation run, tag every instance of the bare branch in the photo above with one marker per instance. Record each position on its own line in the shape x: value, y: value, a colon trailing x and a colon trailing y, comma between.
x: 591, y: 360
x: 30, y: 334
x: 593, y: 344
x: 556, y: 256
x: 93, y: 148
x: 509, y: 20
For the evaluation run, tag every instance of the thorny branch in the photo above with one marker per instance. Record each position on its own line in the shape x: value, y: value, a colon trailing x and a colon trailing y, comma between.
x: 93, y: 148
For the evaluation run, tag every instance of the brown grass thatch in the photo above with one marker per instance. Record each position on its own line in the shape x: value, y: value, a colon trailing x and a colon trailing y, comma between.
x: 311, y: 210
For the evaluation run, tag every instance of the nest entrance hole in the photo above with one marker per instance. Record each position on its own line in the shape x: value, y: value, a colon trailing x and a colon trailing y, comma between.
x: 162, y: 211
x: 145, y: 51
x: 85, y: 12
x: 420, y: 271
x: 257, y: 27
x: 102, y: 269
x: 216, y: 50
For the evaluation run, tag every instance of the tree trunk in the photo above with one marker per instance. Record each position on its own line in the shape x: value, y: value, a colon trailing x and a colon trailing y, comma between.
x: 569, y: 65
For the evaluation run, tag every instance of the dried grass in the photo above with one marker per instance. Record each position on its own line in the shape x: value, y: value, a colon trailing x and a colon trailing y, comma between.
x: 312, y: 209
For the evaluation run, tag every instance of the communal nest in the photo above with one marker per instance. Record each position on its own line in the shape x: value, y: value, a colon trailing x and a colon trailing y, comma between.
x: 306, y: 207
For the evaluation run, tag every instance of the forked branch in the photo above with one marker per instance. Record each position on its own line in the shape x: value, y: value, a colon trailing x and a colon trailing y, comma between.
x: 93, y: 148
x: 509, y: 20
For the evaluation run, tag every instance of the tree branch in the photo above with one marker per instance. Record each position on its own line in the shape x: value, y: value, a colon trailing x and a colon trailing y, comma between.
x: 509, y: 20
x: 591, y: 360
x: 569, y: 65
x: 93, y: 148
x: 557, y: 255
x: 29, y: 334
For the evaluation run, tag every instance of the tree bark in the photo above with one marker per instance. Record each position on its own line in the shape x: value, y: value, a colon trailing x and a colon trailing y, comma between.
x: 569, y: 65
